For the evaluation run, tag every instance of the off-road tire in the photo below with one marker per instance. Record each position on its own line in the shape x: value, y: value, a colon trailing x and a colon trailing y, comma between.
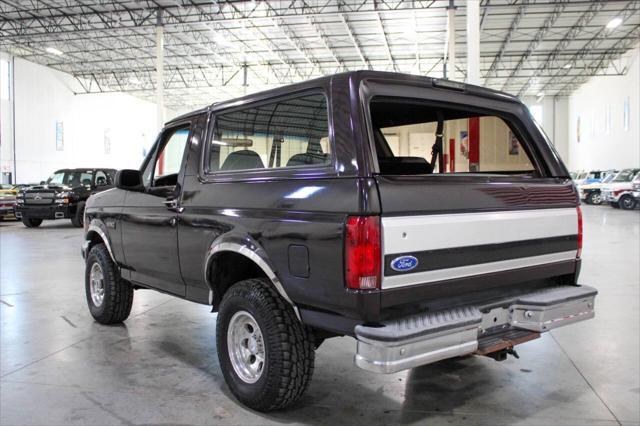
x: 30, y: 222
x: 77, y: 219
x: 118, y: 293
x: 627, y: 202
x: 289, y: 347
x: 614, y: 204
x: 594, y: 198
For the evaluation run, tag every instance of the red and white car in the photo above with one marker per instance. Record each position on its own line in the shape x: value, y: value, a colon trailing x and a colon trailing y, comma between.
x: 619, y: 192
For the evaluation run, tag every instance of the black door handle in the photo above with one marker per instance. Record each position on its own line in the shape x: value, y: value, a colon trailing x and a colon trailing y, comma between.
x: 173, y: 204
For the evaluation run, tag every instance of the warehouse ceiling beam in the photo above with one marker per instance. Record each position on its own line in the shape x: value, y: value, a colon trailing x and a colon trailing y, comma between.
x: 573, y: 32
x: 493, y: 69
x: 629, y: 10
x: 353, y: 39
x: 538, y: 38
x: 383, y: 34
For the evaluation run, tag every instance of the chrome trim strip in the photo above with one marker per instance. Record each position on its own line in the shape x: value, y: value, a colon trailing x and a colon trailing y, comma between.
x: 251, y: 254
x: 408, y: 234
x: 396, y: 281
x: 95, y: 228
x: 388, y: 359
x: 539, y: 312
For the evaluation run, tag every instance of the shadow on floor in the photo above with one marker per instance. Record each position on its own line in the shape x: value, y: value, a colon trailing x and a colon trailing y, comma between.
x: 431, y: 392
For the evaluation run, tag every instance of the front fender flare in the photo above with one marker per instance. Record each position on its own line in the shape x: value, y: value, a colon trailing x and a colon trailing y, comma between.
x: 97, y: 227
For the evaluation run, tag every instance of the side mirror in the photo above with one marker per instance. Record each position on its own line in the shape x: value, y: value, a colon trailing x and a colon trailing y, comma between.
x: 43, y: 182
x: 129, y: 180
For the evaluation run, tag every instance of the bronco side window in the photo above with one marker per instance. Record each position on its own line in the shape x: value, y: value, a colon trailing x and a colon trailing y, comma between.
x: 164, y: 170
x: 287, y: 133
x: 103, y: 178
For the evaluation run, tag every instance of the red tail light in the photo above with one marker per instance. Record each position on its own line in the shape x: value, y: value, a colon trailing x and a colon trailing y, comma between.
x: 579, y: 253
x: 362, y: 252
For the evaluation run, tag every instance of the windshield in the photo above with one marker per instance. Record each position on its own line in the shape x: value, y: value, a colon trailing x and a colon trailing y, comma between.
x: 57, y: 178
x: 624, y: 176
x: 609, y: 178
x: 71, y: 178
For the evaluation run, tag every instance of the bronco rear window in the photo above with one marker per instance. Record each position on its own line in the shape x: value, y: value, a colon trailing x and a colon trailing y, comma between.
x: 404, y: 133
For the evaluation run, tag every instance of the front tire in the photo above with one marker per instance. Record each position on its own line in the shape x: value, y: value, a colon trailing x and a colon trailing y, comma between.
x: 265, y: 352
x: 109, y: 296
x: 31, y: 223
x: 627, y: 202
x: 77, y: 219
x: 594, y: 198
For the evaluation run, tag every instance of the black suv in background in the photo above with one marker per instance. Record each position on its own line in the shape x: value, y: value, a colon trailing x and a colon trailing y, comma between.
x: 307, y: 212
x: 62, y: 196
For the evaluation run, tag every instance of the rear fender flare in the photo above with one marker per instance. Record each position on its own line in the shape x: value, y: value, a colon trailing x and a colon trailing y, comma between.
x: 249, y: 248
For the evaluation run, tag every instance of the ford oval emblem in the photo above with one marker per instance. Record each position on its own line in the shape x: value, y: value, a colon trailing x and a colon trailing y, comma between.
x: 404, y: 263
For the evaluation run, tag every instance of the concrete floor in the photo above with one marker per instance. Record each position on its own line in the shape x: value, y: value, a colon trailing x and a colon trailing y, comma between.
x: 60, y: 367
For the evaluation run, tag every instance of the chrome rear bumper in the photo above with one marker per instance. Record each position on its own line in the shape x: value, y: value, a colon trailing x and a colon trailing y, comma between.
x: 433, y: 336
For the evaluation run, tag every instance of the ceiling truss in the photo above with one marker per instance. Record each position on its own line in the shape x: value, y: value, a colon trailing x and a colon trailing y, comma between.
x: 215, y: 50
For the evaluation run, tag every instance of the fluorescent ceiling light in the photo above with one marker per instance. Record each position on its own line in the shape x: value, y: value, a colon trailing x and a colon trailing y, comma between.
x: 53, y: 51
x: 615, y: 22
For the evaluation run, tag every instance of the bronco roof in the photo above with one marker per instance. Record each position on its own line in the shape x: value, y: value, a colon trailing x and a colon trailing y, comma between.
x: 356, y: 77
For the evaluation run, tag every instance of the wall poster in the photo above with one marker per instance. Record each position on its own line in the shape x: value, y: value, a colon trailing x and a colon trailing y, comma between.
x: 625, y: 114
x: 514, y: 144
x: 107, y: 141
x: 59, y: 136
x: 464, y: 143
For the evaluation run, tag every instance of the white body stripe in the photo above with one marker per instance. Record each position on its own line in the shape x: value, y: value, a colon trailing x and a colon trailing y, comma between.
x: 419, y: 233
x: 470, y: 270
x: 412, y: 234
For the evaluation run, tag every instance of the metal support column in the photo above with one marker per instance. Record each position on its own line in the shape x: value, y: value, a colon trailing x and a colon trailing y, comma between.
x: 160, y: 71
x: 473, y: 41
x: 450, y: 67
x: 13, y: 119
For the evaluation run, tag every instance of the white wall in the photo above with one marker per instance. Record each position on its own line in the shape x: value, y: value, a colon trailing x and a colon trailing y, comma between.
x: 599, y: 146
x: 44, y: 96
x: 555, y: 112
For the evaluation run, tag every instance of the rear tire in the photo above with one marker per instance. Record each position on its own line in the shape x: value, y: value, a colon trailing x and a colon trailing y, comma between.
x: 77, y: 219
x: 31, y: 223
x: 109, y: 297
x: 627, y: 202
x: 255, y: 323
x: 594, y: 198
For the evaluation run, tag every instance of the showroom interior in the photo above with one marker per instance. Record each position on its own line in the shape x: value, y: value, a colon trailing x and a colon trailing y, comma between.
x: 87, y: 87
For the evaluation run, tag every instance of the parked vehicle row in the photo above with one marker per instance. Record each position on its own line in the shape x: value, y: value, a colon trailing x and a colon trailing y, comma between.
x: 636, y: 189
x: 7, y: 201
x: 62, y: 196
x: 611, y: 187
x: 587, y: 177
